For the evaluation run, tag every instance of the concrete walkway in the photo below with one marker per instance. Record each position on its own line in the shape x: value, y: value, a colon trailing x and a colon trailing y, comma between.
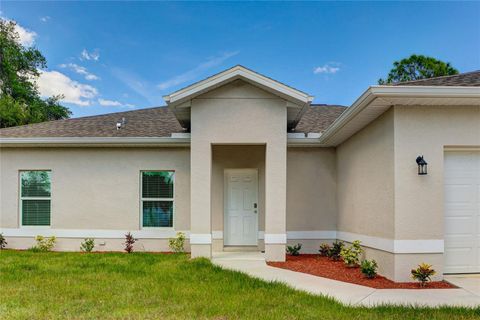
x: 253, y: 264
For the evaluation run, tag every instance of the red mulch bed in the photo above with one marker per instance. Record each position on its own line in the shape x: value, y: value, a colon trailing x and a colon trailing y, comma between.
x: 324, y: 267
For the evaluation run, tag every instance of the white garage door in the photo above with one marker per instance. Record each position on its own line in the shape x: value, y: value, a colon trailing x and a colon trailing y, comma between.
x: 462, y: 212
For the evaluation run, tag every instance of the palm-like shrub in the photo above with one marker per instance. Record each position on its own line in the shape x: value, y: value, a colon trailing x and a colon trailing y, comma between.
x: 423, y: 273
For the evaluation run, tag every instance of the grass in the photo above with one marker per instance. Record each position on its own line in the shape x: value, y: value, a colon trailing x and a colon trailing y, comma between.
x: 60, y: 285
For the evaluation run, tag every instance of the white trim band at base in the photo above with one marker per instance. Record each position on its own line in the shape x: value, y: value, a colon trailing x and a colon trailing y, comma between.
x: 384, y: 244
x: 150, y: 233
x: 275, y: 238
x: 395, y: 246
x: 201, y: 238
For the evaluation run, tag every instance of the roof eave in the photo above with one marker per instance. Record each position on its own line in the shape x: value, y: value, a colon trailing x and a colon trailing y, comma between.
x: 95, y: 142
x: 374, y: 92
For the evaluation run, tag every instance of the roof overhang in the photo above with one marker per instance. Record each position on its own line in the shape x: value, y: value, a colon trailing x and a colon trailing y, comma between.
x: 378, y: 99
x: 298, y: 101
x: 95, y: 142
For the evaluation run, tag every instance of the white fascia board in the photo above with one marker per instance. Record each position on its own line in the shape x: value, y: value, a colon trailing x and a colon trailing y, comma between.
x: 425, y: 91
x: 94, y: 141
x: 374, y: 92
x: 361, y: 103
x: 234, y: 73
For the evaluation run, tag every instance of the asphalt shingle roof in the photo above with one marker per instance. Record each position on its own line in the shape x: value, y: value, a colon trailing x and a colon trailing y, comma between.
x: 319, y: 117
x: 468, y: 79
x: 153, y: 122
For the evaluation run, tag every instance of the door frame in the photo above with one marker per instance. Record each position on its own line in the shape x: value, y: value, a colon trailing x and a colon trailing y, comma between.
x: 225, y: 203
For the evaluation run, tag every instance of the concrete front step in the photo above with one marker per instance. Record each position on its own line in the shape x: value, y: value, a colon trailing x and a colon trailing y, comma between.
x: 241, y: 249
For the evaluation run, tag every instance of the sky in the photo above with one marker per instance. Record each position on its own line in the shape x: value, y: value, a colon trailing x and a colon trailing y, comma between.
x: 118, y: 56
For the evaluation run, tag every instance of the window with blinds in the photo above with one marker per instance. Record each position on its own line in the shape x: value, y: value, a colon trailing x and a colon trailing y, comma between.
x: 35, y: 197
x: 157, y: 198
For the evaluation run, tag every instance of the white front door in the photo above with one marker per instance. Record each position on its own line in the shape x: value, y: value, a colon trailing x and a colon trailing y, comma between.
x: 462, y: 212
x: 241, y: 207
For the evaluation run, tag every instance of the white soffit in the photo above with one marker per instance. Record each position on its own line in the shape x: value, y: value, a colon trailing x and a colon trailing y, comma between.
x: 378, y: 99
x: 229, y: 75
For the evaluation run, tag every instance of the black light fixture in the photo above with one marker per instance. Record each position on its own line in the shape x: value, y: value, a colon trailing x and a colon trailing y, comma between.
x: 422, y: 165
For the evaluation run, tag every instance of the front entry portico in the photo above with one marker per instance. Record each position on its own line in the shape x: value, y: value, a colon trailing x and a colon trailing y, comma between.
x: 238, y: 107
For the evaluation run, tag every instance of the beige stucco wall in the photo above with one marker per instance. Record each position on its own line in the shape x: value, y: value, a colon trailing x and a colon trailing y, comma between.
x: 311, y: 189
x: 239, y: 113
x: 365, y: 184
x: 94, y: 188
x: 426, y: 131
x: 380, y: 193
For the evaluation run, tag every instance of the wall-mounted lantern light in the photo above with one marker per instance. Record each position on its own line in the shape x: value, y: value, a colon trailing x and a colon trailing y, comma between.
x: 422, y: 165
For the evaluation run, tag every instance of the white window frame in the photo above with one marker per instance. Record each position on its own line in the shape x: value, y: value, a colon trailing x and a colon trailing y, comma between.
x: 142, y: 200
x: 21, y: 198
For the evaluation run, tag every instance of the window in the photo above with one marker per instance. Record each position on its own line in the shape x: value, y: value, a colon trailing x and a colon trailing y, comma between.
x: 157, y: 198
x: 35, y: 197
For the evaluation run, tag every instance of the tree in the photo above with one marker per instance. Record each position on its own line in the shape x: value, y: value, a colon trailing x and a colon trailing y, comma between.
x: 20, y: 101
x: 418, y: 67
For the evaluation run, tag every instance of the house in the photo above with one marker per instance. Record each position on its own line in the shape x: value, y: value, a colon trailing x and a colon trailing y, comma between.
x: 240, y: 161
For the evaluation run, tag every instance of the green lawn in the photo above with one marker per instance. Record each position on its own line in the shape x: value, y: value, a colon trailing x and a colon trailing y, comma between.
x: 155, y: 286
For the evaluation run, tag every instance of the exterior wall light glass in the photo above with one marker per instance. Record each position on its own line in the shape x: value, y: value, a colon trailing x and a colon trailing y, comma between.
x: 422, y: 165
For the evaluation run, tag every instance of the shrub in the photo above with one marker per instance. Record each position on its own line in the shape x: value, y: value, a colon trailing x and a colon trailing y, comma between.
x: 325, y: 249
x: 87, y: 245
x: 423, y: 273
x: 351, y: 254
x: 44, y: 244
x: 3, y: 242
x: 129, y: 241
x: 335, y: 250
x: 369, y: 268
x: 294, y: 250
x: 177, y: 244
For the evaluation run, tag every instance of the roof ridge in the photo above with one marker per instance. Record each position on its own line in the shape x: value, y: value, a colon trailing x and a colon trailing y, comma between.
x: 439, y: 77
x: 114, y: 113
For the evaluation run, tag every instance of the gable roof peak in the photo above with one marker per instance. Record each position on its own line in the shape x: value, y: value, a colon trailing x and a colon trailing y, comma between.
x: 238, y: 72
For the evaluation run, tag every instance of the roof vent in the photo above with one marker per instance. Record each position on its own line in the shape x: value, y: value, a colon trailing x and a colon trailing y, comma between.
x: 121, y: 123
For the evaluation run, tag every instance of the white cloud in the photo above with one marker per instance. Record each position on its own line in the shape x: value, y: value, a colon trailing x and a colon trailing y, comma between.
x: 45, y: 18
x: 114, y: 103
x: 109, y: 103
x: 27, y: 37
x: 92, y: 55
x: 195, y: 72
x: 80, y: 70
x: 329, y: 68
x: 55, y: 83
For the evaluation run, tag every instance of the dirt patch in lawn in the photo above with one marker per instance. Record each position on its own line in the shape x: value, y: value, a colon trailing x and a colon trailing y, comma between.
x: 323, y: 267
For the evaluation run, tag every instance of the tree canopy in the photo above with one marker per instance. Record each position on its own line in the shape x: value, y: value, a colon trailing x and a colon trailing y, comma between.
x: 418, y: 67
x: 20, y: 100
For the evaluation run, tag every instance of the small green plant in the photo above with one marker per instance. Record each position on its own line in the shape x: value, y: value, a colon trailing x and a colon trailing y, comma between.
x: 87, y: 245
x: 423, y: 273
x: 177, y: 244
x: 369, y: 268
x: 335, y: 250
x: 3, y: 242
x: 351, y: 254
x: 129, y: 241
x: 44, y: 244
x: 294, y: 250
x: 325, y: 249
